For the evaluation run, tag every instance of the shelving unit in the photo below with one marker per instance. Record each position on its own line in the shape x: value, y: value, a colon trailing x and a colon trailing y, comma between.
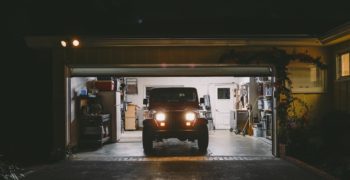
x: 265, y: 100
x: 94, y: 127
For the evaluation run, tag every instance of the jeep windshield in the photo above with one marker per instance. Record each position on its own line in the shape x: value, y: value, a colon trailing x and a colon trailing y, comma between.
x: 175, y: 95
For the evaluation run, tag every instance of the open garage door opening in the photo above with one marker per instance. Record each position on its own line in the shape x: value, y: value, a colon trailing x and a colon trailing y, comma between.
x: 107, y: 107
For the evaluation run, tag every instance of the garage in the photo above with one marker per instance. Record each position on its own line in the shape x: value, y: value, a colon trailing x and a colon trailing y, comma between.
x: 106, y: 110
x: 122, y: 58
x: 99, y: 62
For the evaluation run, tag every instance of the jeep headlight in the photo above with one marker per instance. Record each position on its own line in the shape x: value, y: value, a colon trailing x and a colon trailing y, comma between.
x: 160, y: 116
x: 190, y: 116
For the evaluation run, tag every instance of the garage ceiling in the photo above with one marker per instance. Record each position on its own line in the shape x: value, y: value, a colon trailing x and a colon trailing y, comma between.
x: 173, y: 70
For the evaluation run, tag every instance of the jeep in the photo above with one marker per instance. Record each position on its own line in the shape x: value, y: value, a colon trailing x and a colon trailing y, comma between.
x: 174, y: 113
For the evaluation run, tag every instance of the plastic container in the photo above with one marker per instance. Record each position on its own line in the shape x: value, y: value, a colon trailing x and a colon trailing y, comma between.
x: 257, y: 130
x: 267, y: 104
x: 260, y: 89
x: 260, y: 104
x: 267, y: 90
x: 263, y: 127
x: 104, y: 85
x: 210, y: 125
x: 83, y: 91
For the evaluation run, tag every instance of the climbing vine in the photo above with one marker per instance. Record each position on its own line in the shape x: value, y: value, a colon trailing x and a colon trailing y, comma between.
x: 280, y: 59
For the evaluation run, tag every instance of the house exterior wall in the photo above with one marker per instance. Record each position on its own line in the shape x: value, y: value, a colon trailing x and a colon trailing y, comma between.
x: 341, y: 88
x: 161, y: 55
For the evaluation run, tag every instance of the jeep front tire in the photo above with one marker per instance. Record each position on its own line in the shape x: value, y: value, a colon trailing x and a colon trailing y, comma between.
x: 203, y: 139
x: 147, y: 140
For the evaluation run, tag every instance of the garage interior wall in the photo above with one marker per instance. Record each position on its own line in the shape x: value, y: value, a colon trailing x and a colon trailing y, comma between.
x: 202, y: 84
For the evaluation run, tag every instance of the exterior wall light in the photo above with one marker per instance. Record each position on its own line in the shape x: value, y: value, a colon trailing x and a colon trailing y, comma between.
x: 63, y: 43
x: 75, y: 42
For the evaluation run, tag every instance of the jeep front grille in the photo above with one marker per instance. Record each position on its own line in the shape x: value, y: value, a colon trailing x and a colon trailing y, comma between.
x: 176, y: 119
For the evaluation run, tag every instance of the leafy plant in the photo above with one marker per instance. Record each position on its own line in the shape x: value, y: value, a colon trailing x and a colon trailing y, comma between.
x: 10, y: 171
x: 280, y: 59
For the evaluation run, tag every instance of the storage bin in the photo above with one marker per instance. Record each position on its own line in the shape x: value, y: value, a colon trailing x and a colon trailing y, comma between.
x: 104, y: 85
x: 267, y: 104
x: 94, y: 129
x: 260, y: 104
x: 131, y: 117
x: 267, y: 90
x: 257, y: 130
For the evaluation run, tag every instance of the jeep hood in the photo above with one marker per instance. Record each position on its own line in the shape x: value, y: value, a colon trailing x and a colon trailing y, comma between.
x: 174, y: 106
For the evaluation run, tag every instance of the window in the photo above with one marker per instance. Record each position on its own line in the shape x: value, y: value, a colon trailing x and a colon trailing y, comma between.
x: 306, y: 78
x: 343, y: 66
x: 223, y: 93
x: 149, y: 88
x: 174, y: 95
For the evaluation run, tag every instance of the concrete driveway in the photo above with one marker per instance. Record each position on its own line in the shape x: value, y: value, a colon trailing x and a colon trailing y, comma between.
x: 229, y: 156
x: 221, y: 143
x: 173, y: 169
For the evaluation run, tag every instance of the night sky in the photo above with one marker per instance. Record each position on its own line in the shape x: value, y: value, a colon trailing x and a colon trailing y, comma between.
x: 179, y: 18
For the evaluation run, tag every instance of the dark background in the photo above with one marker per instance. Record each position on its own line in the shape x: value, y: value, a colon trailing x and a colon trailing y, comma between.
x: 26, y: 122
x: 175, y: 17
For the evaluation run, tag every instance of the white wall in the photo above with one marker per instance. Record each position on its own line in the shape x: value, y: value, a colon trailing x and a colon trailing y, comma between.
x: 76, y: 84
x: 200, y: 83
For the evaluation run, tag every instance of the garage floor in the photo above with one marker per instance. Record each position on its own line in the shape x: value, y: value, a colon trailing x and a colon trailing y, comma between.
x: 221, y: 143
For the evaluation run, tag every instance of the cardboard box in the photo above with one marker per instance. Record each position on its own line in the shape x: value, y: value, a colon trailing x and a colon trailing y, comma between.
x: 130, y: 123
x: 131, y: 111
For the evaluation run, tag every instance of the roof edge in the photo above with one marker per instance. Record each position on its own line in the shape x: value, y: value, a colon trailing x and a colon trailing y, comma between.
x: 268, y: 40
x: 336, y: 35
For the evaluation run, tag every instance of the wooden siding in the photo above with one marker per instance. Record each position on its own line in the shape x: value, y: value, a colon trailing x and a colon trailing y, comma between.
x: 160, y: 55
x: 341, y: 93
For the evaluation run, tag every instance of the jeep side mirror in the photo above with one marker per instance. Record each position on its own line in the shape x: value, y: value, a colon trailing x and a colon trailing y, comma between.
x: 201, y: 100
x: 145, y: 101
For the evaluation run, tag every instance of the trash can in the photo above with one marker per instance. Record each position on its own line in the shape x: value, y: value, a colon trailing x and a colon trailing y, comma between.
x: 210, y: 125
x: 263, y: 127
x: 238, y: 119
x: 257, y: 130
